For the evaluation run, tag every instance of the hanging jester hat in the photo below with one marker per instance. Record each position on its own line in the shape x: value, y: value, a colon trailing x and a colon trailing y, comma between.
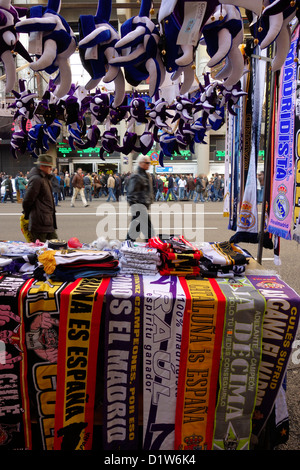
x: 9, y: 40
x: 97, y: 49
x: 57, y: 45
x: 138, y: 50
x: 274, y: 26
x: 178, y: 49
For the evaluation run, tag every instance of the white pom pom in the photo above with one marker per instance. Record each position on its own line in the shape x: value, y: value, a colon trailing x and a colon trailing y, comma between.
x: 101, y: 243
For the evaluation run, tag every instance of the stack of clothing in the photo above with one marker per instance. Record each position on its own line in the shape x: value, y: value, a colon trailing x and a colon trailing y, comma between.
x: 138, y: 258
x: 18, y: 258
x: 13, y: 249
x: 179, y: 257
x: 223, y: 260
x: 23, y: 265
x: 69, y: 265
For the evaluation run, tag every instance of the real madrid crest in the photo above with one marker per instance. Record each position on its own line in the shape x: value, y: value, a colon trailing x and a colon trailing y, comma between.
x: 281, y: 203
x: 246, y: 217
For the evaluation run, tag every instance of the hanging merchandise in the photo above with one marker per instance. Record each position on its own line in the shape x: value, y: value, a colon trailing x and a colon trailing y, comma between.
x: 247, y: 225
x: 282, y: 200
x: 228, y: 153
x: 52, y: 41
x: 181, y: 23
x: 234, y: 180
x: 146, y: 51
x: 24, y: 105
x: 204, y: 110
x: 273, y: 27
x: 137, y: 115
x: 97, y: 48
x: 296, y: 229
x: 138, y: 50
x: 271, y: 95
x: 9, y: 17
x: 223, y: 34
x: 247, y: 116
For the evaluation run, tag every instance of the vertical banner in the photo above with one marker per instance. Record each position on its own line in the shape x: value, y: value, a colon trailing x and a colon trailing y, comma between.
x: 15, y: 419
x: 246, y: 125
x: 123, y: 330
x: 247, y: 225
x: 282, y: 201
x: 279, y: 331
x: 296, y: 230
x: 164, y: 306
x: 234, y: 185
x: 41, y: 307
x: 271, y: 93
x: 239, y: 367
x: 228, y: 153
x: 79, y: 328
x: 199, y: 364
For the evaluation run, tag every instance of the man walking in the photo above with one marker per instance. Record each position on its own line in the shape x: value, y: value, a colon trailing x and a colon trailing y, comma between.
x: 140, y: 196
x: 8, y: 188
x: 78, y: 188
x: 111, y: 183
x: 38, y: 202
x: 88, y: 183
x: 170, y: 188
x: 160, y: 189
x: 216, y: 187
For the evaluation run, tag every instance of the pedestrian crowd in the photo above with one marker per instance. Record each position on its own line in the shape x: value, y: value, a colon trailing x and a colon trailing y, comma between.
x: 189, y: 188
x: 10, y: 184
x: 111, y: 185
x: 42, y: 188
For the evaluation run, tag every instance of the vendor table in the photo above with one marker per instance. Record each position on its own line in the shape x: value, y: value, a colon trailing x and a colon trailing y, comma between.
x: 145, y: 362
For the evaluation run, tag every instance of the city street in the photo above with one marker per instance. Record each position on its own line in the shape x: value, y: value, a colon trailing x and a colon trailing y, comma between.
x: 197, y: 222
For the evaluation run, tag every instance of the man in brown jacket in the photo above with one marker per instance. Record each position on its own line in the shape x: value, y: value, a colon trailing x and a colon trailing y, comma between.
x: 78, y: 187
x: 38, y: 203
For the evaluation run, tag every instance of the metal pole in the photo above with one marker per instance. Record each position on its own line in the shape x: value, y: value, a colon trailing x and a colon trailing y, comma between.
x: 266, y: 170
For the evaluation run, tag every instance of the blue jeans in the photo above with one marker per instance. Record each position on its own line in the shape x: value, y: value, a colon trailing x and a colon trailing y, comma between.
x: 158, y: 195
x: 215, y: 194
x: 55, y: 195
x: 200, y: 197
x: 111, y: 194
x: 171, y: 190
x: 88, y: 193
x: 181, y: 193
x: 191, y: 194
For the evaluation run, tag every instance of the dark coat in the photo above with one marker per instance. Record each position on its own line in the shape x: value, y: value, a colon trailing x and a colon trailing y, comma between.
x: 170, y: 182
x: 38, y: 203
x: 140, y: 188
x: 55, y: 183
x: 160, y: 184
x: 199, y: 185
x: 191, y: 184
x: 8, y: 185
x: 77, y: 181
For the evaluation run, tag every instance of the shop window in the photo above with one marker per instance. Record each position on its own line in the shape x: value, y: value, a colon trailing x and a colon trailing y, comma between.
x: 217, y: 148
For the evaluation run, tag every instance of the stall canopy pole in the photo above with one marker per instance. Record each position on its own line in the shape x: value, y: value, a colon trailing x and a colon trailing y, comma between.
x: 266, y: 168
